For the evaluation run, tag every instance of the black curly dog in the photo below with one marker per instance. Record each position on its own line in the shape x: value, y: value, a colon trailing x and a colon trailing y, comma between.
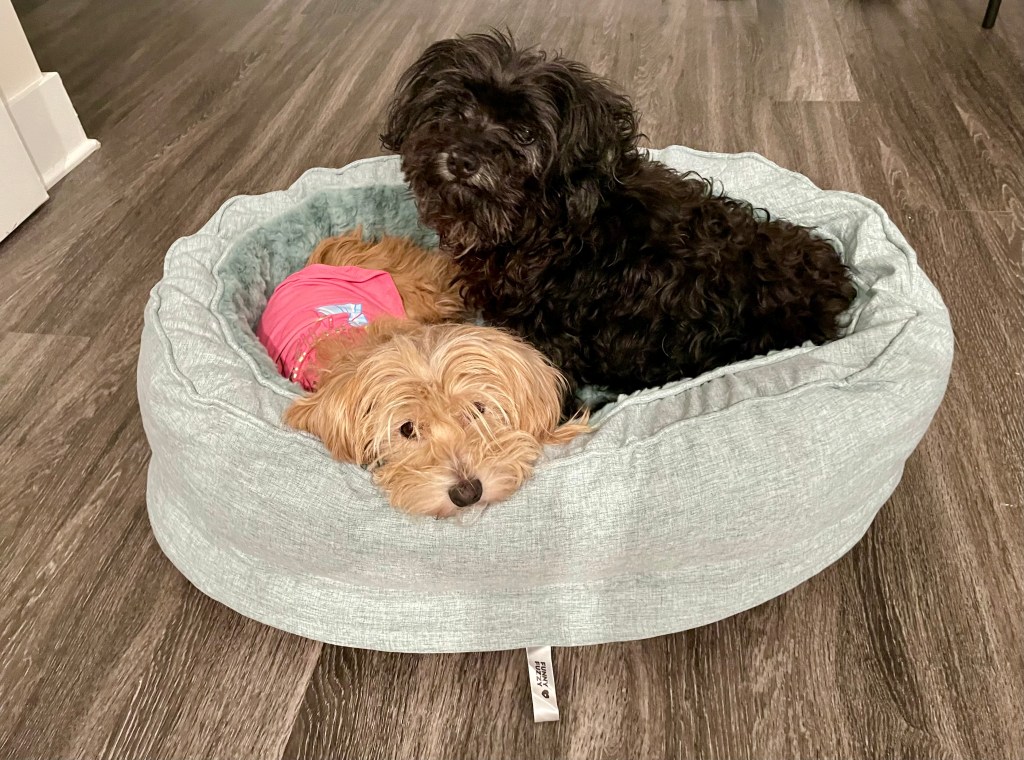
x: 624, y: 272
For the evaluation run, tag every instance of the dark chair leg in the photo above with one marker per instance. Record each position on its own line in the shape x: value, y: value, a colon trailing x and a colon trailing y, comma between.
x: 990, y: 14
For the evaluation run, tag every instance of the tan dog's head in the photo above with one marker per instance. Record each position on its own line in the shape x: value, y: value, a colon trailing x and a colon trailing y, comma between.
x: 445, y: 416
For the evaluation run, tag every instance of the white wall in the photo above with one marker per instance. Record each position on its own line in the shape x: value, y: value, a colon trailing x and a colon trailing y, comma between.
x: 21, y: 187
x: 18, y: 67
x: 41, y: 138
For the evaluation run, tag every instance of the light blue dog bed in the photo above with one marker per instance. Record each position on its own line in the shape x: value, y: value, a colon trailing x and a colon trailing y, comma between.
x: 687, y: 504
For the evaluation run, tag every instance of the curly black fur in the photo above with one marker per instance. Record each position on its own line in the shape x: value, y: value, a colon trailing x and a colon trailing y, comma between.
x: 624, y: 272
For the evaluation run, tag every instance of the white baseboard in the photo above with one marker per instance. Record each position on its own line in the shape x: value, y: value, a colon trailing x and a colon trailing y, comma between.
x: 50, y: 128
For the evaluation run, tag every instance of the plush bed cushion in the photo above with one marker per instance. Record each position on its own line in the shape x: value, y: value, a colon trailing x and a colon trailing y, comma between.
x: 687, y: 504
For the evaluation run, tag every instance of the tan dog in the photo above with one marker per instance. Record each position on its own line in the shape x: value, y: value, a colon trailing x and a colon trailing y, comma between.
x: 444, y: 415
x: 425, y: 279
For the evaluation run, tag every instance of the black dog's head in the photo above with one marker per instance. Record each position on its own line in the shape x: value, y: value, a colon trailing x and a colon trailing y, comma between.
x: 495, y: 140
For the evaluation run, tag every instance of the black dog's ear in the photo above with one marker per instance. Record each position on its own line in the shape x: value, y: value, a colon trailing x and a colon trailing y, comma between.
x: 415, y: 92
x: 597, y: 136
x: 436, y: 77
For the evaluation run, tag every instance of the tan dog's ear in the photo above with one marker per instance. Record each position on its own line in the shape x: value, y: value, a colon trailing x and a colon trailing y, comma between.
x: 336, y: 412
x: 328, y: 414
x: 566, y: 432
x: 537, y: 389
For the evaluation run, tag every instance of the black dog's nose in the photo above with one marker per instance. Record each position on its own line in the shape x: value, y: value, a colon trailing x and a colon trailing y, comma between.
x: 466, y: 492
x: 462, y: 166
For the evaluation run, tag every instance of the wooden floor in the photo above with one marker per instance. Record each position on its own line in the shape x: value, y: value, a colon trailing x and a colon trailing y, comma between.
x: 910, y: 646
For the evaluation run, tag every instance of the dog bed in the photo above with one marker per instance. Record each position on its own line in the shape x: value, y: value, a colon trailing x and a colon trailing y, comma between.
x: 687, y: 504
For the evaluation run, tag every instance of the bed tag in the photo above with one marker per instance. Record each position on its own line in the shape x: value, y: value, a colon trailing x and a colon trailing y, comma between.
x: 542, y: 684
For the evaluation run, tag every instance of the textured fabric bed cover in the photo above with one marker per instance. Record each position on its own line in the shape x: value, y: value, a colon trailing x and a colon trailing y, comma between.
x: 689, y: 503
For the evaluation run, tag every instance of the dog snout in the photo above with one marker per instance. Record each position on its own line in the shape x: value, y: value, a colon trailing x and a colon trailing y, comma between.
x: 466, y: 492
x: 462, y: 165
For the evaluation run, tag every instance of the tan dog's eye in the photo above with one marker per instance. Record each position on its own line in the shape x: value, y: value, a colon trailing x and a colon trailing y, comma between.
x: 480, y: 407
x: 408, y: 430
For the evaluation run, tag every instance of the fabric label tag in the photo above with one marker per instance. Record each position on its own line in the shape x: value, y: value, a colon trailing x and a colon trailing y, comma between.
x: 542, y: 684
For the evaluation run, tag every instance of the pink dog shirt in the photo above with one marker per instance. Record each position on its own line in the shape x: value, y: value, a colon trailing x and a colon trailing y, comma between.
x: 317, y: 299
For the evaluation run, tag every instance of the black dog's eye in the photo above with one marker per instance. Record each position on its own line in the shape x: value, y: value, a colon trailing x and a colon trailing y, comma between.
x: 408, y: 430
x: 523, y: 136
x: 480, y: 407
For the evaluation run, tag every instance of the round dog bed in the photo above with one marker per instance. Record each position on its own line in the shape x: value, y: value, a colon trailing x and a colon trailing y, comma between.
x: 687, y: 504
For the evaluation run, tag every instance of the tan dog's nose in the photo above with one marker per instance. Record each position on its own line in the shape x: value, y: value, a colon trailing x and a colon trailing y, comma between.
x: 466, y: 492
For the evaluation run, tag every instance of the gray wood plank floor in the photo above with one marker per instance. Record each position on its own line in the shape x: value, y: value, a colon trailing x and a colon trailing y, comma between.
x: 911, y: 645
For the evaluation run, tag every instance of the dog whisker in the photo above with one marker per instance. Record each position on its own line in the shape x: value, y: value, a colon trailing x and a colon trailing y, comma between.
x: 469, y: 516
x: 442, y: 167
